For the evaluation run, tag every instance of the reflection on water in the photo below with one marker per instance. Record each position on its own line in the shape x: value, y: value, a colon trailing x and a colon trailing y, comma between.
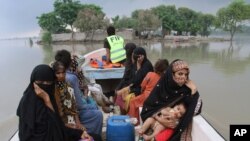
x: 222, y: 55
x: 220, y: 69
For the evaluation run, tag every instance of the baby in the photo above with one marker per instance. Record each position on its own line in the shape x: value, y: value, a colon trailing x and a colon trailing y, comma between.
x: 167, y: 113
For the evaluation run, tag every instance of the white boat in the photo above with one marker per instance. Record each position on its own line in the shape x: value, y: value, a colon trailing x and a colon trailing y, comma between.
x: 107, y: 73
x: 201, y: 131
x: 104, y: 77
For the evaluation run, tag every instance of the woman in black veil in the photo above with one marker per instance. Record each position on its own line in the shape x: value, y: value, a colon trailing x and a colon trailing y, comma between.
x: 38, y: 115
x: 173, y: 87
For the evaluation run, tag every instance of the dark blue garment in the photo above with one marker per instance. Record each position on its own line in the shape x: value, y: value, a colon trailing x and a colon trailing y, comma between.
x: 89, y: 115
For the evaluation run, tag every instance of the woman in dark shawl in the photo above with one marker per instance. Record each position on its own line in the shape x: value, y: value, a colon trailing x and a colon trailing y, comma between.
x: 38, y: 115
x: 140, y: 69
x: 173, y: 87
x: 126, y: 79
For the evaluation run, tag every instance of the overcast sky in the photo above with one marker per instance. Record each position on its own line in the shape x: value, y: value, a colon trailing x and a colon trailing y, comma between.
x: 18, y: 17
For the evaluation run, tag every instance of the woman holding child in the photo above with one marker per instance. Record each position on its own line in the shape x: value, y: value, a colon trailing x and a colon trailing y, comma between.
x: 173, y: 87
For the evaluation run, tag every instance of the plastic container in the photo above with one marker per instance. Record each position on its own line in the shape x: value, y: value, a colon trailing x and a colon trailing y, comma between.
x: 132, y: 120
x: 119, y: 128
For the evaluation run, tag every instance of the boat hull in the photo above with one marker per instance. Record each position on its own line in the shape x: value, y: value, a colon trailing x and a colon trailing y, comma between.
x: 108, y: 78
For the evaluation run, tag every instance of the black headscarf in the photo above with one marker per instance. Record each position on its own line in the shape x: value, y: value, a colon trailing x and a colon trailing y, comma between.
x: 138, y: 75
x: 36, y: 121
x: 129, y: 47
x: 165, y: 93
x: 127, y: 76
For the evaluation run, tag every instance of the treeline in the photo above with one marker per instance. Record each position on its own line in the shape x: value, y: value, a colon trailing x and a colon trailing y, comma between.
x: 69, y: 15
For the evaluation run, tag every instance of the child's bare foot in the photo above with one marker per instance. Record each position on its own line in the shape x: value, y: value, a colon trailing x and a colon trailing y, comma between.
x: 106, y: 109
x: 140, y: 131
x: 147, y: 137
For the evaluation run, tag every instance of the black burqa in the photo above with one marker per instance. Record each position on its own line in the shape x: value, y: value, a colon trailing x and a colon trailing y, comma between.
x: 165, y: 93
x: 138, y: 75
x: 127, y: 76
x: 36, y: 121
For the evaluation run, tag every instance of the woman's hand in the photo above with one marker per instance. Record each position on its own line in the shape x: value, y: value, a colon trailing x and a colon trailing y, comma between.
x: 41, y: 93
x: 86, y: 136
x: 167, y: 121
x: 165, y: 111
x: 192, y: 86
x: 71, y: 125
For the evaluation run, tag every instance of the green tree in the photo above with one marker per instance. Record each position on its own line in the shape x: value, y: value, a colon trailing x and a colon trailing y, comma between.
x: 146, y: 20
x: 51, y: 22
x: 67, y: 11
x: 97, y: 9
x: 167, y: 15
x: 231, y: 17
x: 46, y: 37
x: 206, y: 22
x: 115, y: 21
x: 125, y: 22
x: 187, y: 20
x: 89, y: 19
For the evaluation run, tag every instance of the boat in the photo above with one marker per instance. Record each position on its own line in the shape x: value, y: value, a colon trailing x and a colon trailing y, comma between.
x: 201, y: 131
x: 104, y: 77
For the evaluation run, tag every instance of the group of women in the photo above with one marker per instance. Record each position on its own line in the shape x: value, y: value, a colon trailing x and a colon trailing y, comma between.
x: 54, y: 105
x: 156, y: 88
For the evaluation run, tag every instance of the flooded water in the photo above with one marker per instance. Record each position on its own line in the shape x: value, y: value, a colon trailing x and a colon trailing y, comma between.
x: 220, y: 70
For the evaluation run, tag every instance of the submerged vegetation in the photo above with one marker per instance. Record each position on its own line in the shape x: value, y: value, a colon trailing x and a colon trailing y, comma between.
x: 230, y: 18
x: 47, y: 38
x: 70, y: 16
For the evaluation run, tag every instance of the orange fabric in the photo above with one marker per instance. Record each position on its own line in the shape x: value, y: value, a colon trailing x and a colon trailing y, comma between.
x: 164, y: 135
x: 147, y: 86
x: 121, y: 97
x: 127, y: 100
x: 116, y: 65
x: 94, y: 64
x: 108, y: 66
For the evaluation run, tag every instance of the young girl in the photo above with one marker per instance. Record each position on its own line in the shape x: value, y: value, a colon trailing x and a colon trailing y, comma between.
x: 65, y: 99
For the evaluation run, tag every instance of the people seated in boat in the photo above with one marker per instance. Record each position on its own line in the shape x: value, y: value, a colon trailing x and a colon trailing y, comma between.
x: 147, y: 85
x: 174, y: 85
x: 127, y: 76
x: 92, y: 92
x: 141, y: 66
x: 90, y: 116
x: 65, y: 99
x: 175, y: 112
x: 39, y: 119
x: 114, y: 45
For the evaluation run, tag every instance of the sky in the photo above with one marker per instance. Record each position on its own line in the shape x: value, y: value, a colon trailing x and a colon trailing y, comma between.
x: 18, y: 17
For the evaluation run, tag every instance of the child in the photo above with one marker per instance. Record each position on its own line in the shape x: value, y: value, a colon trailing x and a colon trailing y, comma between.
x: 176, y: 112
